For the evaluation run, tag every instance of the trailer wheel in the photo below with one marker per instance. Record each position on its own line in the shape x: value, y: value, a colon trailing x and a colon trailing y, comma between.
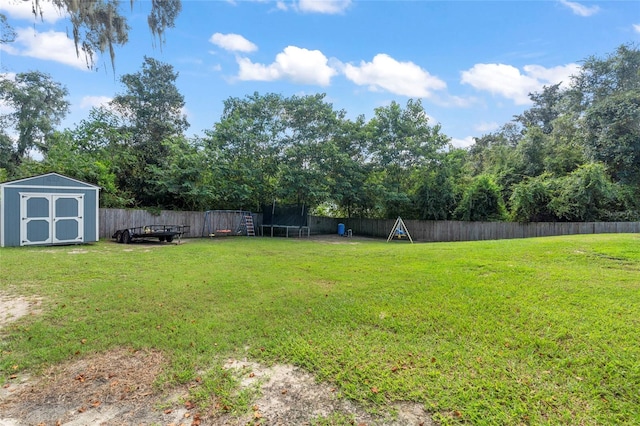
x: 126, y: 237
x: 161, y: 239
x: 169, y: 238
x: 118, y: 237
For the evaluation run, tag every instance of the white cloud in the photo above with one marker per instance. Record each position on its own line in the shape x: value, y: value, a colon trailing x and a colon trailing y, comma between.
x: 94, y: 101
x: 324, y: 6
x: 186, y: 113
x: 233, y: 42
x: 250, y: 71
x: 329, y: 7
x: 451, y: 101
x: 501, y: 79
x: 555, y: 75
x: 486, y: 127
x: 50, y: 45
x: 400, y: 78
x: 8, y: 76
x: 636, y: 28
x: 509, y: 82
x: 19, y: 9
x: 463, y: 143
x: 294, y: 64
x: 580, y: 9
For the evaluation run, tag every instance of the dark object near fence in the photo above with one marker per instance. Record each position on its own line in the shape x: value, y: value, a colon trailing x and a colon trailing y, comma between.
x: 286, y: 218
x: 285, y: 215
x: 162, y: 232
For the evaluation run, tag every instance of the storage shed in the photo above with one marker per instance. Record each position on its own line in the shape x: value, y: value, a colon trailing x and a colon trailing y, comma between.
x: 46, y: 210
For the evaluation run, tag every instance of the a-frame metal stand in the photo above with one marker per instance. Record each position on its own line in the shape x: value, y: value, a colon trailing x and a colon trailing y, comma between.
x: 399, y: 231
x: 247, y: 224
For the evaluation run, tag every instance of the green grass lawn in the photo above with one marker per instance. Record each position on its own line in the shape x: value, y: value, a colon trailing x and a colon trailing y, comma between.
x: 537, y: 331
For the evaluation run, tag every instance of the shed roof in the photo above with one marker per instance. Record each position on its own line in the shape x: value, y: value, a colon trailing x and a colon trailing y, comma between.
x: 49, y: 179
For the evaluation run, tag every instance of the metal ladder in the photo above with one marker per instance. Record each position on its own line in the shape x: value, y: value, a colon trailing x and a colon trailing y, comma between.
x: 248, y: 223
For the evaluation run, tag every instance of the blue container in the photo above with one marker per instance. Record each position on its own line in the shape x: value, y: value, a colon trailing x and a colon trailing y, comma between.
x: 341, y: 229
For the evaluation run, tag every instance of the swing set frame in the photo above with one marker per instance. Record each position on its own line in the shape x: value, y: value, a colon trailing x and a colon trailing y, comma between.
x: 399, y: 231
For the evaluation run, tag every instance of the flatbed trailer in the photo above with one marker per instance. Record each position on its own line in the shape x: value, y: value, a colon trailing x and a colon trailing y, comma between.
x: 163, y: 233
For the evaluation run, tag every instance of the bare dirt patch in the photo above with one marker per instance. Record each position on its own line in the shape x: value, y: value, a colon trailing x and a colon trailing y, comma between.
x: 291, y: 396
x: 15, y: 307
x: 116, y: 388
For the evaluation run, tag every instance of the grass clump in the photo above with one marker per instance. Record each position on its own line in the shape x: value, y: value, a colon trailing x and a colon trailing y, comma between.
x: 539, y: 331
x: 335, y: 419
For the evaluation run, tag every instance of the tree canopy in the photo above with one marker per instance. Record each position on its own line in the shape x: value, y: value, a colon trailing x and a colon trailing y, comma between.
x: 100, y: 26
x: 37, y: 104
x: 574, y: 155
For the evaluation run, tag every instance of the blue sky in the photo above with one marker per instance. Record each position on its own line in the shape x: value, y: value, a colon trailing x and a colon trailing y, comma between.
x: 472, y: 63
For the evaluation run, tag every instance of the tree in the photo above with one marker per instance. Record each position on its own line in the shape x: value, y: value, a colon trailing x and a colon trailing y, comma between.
x: 482, y: 201
x: 184, y: 182
x: 7, y: 34
x: 494, y: 152
x: 612, y: 134
x: 438, y: 194
x: 402, y: 142
x: 37, y: 105
x: 530, y: 152
x: 306, y: 149
x: 348, y: 171
x: 268, y: 146
x: 498, y: 154
x: 6, y: 154
x: 99, y: 26
x: 600, y: 78
x: 151, y: 110
x: 545, y: 158
x: 152, y: 105
x: 546, y: 108
x: 103, y: 139
x: 607, y: 95
x: 68, y: 155
x: 587, y: 194
x: 402, y: 138
x: 435, y: 198
x: 530, y: 200
x: 565, y: 151
x: 103, y: 130
x: 243, y: 148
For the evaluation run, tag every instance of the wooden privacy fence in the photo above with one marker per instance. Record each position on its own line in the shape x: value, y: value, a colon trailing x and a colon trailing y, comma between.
x: 421, y: 230
x: 113, y: 219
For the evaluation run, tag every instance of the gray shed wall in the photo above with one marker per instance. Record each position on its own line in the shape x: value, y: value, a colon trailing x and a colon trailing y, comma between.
x: 51, y: 184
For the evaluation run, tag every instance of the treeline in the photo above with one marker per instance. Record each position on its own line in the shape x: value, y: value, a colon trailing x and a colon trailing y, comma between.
x: 573, y: 156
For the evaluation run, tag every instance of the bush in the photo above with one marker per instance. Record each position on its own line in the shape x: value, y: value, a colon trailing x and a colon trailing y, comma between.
x: 482, y: 201
x: 530, y: 200
x: 586, y: 195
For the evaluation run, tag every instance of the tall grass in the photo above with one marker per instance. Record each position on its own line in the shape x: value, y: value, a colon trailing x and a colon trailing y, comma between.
x: 538, y: 331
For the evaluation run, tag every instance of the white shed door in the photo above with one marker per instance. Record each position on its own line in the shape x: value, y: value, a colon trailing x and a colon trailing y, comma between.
x: 48, y: 218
